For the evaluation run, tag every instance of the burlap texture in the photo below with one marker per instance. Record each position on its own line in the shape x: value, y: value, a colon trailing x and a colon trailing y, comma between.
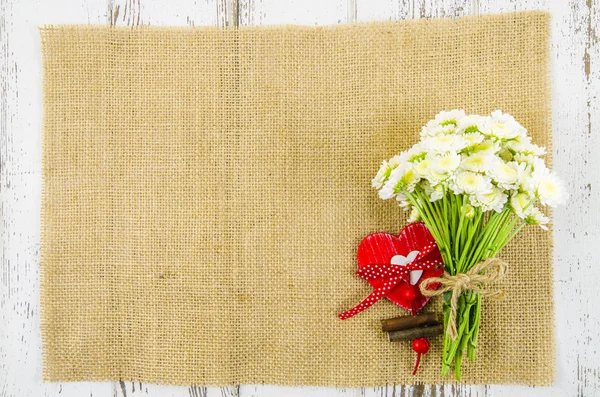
x: 205, y: 191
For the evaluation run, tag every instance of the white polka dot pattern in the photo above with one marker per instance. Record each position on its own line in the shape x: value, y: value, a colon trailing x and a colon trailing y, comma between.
x: 390, y: 277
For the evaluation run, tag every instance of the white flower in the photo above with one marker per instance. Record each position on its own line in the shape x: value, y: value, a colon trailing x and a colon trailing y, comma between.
x: 437, y: 130
x: 382, y: 175
x: 528, y: 185
x: 434, y: 193
x: 523, y: 146
x: 502, y: 126
x: 389, y: 188
x: 499, y: 130
x: 405, y: 156
x: 426, y: 131
x: 521, y: 204
x: 423, y: 168
x: 478, y: 162
x: 528, y: 159
x: 414, y: 215
x: 536, y: 217
x: 487, y: 147
x: 549, y: 188
x: 410, y: 180
x: 503, y: 174
x: 386, y: 192
x: 471, y: 123
x: 473, y: 139
x: 489, y: 160
x: 445, y: 143
x: 444, y: 166
x: 415, y: 153
x: 523, y: 175
x: 447, y: 163
x: 395, y: 161
x: 384, y: 171
x: 524, y: 169
x: 470, y: 183
x: 401, y: 199
x: 493, y: 200
x: 402, y: 178
x: 510, y: 121
x: 446, y: 118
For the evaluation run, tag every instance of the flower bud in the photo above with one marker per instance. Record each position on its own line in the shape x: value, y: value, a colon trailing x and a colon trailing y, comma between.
x: 469, y: 211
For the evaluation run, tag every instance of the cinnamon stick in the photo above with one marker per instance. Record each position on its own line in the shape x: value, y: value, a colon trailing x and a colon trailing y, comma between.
x: 415, y: 333
x: 405, y: 322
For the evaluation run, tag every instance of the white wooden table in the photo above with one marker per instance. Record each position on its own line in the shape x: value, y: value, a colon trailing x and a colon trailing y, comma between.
x: 576, y: 120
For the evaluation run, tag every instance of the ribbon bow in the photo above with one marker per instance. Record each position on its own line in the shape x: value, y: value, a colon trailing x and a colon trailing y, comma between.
x: 385, y: 277
x: 483, y: 273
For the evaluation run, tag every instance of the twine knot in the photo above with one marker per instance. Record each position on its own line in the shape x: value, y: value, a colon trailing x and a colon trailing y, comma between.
x: 476, y: 280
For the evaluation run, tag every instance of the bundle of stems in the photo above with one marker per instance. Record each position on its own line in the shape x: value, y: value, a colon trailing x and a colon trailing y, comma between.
x: 473, y: 180
x: 465, y: 235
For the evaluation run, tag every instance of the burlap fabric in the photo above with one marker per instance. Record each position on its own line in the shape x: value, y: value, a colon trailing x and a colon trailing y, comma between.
x: 205, y: 191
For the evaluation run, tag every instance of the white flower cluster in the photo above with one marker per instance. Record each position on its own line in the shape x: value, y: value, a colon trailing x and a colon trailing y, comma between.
x: 489, y: 159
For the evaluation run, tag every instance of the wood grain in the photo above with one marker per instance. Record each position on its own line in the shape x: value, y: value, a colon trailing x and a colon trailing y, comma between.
x: 416, y: 333
x: 406, y: 322
x: 576, y: 87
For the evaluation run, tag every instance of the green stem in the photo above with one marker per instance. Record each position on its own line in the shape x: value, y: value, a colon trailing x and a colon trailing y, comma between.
x: 507, y: 240
x: 458, y: 232
x: 421, y: 202
x: 463, y: 242
x: 468, y: 246
x: 474, y: 330
x: 488, y: 233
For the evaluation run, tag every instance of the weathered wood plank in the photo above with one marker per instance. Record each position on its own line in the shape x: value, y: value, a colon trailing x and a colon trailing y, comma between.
x: 382, y: 10
x: 575, y: 56
x: 445, y: 8
x: 172, y: 13
x: 298, y: 12
x: 20, y: 189
x: 494, y: 7
x: 368, y: 10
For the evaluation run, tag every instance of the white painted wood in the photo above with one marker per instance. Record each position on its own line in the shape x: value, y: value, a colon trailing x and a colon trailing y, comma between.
x: 171, y: 12
x: 494, y: 7
x: 296, y: 12
x: 20, y: 186
x: 576, y: 117
x: 576, y: 86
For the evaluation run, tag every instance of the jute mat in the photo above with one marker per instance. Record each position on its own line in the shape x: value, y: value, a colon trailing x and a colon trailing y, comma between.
x: 205, y: 191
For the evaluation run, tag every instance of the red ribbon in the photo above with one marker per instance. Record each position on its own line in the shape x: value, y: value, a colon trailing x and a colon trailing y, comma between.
x: 386, y: 277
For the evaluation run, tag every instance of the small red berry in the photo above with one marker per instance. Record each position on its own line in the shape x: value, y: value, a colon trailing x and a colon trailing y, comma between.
x: 420, y: 345
x: 410, y: 293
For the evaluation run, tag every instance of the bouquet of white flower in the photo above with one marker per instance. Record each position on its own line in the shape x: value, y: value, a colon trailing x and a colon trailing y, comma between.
x: 475, y: 181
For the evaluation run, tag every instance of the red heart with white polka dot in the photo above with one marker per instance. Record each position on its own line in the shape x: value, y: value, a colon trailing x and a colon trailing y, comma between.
x: 396, y: 265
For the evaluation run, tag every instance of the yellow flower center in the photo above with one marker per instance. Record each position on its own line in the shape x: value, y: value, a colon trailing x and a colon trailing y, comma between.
x: 468, y: 179
x: 547, y: 187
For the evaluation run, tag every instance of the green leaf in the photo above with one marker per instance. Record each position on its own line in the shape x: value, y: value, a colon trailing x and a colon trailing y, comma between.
x: 447, y: 296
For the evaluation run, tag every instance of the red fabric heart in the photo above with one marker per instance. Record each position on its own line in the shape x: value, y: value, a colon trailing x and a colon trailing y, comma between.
x: 375, y: 254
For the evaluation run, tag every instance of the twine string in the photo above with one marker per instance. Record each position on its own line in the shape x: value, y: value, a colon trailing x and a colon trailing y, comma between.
x: 476, y: 280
